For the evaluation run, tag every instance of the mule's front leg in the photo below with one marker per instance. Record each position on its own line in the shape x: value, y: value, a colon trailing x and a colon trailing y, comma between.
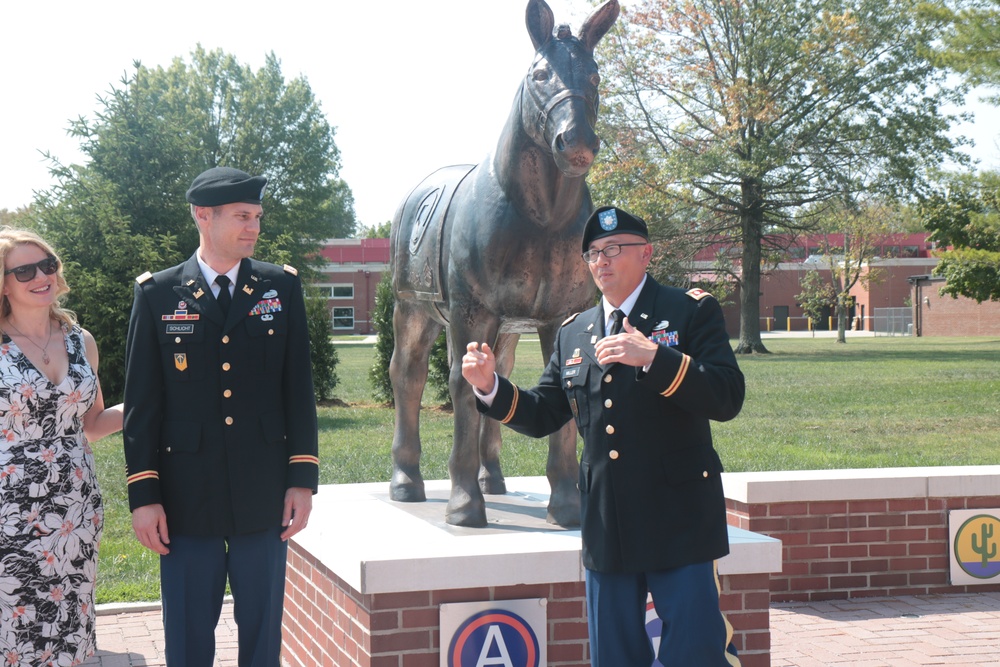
x: 491, y: 479
x: 562, y: 467
x: 466, y: 507
x: 414, y: 333
x: 562, y: 471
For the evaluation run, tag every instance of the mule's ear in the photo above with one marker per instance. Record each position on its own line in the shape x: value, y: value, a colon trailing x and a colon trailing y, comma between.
x: 598, y: 23
x: 538, y: 17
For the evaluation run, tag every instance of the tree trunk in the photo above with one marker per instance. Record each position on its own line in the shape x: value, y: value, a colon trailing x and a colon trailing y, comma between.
x: 841, y: 323
x: 752, y: 223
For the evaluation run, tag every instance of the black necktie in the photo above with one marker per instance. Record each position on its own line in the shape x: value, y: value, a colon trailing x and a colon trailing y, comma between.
x: 617, y: 317
x: 224, y: 298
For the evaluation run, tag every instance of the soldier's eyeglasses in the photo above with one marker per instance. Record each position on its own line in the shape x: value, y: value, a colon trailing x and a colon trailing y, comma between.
x: 613, y: 250
x: 27, y: 272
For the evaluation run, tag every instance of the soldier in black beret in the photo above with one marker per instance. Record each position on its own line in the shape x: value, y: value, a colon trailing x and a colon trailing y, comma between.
x: 220, y: 426
x: 224, y: 185
x: 641, y: 374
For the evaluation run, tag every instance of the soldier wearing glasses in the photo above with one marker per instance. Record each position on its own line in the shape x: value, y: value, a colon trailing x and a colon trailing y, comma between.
x: 642, y: 374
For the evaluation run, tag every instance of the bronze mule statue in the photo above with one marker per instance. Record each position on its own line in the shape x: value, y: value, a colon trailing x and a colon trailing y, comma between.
x: 492, y: 251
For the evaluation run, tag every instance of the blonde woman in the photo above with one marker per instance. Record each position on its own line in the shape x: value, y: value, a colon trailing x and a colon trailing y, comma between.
x: 51, y: 408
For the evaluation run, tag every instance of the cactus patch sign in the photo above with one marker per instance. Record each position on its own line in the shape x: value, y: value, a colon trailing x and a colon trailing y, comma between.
x: 975, y: 546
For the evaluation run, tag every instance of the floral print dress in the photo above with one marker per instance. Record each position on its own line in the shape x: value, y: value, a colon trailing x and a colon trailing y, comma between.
x: 51, y: 514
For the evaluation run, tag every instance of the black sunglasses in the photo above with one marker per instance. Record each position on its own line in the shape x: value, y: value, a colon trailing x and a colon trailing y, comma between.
x: 27, y: 272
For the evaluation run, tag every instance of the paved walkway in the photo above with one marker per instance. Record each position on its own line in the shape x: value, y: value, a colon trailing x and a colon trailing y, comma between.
x: 913, y: 631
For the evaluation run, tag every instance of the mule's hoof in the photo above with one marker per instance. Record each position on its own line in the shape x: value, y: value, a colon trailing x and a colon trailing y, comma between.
x: 464, y: 510
x: 492, y: 484
x: 406, y: 489
x: 564, y: 510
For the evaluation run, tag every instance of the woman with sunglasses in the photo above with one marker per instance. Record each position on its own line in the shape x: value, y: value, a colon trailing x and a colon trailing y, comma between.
x: 51, y: 408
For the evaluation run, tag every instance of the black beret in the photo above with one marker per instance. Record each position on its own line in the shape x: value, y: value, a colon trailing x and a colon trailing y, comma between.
x: 225, y: 185
x: 608, y: 220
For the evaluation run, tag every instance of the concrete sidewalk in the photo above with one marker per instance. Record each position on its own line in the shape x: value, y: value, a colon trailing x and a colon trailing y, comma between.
x: 912, y: 631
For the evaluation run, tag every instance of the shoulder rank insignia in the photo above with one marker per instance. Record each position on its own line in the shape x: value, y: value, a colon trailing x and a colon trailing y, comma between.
x: 144, y: 277
x: 697, y: 294
x: 291, y: 269
x: 569, y: 319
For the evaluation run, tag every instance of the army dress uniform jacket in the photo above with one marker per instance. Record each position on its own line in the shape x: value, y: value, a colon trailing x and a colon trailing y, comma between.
x: 651, y: 490
x: 220, y: 415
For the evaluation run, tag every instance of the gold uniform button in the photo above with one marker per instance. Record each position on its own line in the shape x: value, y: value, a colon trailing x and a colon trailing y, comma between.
x: 613, y: 454
x: 225, y: 340
x: 227, y: 393
x: 177, y: 340
x: 229, y: 421
x: 226, y: 366
x: 168, y: 450
x: 607, y: 378
x: 704, y: 474
x: 270, y: 332
x: 608, y: 403
x: 609, y: 429
x: 568, y: 384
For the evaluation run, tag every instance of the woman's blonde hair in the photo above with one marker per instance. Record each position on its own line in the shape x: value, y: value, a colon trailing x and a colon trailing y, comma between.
x: 11, y: 238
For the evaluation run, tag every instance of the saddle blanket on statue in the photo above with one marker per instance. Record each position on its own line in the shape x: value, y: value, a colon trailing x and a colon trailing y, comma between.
x: 419, y: 245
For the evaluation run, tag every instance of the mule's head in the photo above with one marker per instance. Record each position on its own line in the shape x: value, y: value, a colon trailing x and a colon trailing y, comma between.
x: 559, y: 97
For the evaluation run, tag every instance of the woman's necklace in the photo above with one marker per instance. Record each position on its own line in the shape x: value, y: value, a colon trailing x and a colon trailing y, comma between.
x: 45, y: 350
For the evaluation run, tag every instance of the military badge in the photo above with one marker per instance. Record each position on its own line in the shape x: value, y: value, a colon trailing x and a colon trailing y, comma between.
x: 180, y: 314
x: 697, y: 294
x: 666, y: 338
x: 608, y: 219
x: 266, y: 307
x: 180, y: 361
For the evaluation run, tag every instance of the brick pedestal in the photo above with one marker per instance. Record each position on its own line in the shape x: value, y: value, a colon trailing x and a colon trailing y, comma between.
x: 366, y: 579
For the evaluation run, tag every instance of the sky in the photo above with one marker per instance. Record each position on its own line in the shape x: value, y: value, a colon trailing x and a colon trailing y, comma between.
x: 409, y: 85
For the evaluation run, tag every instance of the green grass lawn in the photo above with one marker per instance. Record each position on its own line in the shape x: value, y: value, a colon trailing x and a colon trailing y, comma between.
x: 811, y: 404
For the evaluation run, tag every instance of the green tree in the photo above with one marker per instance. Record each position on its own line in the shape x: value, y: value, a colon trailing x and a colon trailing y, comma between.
x: 864, y: 227
x: 124, y: 212
x: 970, y: 39
x: 757, y: 111
x: 379, y: 231
x: 964, y: 221
x: 321, y: 347
x: 378, y: 375
x: 816, y: 296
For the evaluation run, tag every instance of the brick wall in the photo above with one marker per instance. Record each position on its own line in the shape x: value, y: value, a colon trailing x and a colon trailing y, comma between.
x: 329, y: 624
x: 943, y: 315
x: 838, y: 549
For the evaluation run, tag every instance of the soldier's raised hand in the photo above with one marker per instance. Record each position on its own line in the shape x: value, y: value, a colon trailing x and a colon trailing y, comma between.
x: 479, y: 367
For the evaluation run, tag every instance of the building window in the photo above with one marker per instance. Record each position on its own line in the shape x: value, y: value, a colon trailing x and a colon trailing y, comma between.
x: 342, y: 291
x: 910, y: 251
x: 343, y: 318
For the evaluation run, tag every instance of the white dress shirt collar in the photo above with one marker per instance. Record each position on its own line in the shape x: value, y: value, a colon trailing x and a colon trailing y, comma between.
x: 626, y: 306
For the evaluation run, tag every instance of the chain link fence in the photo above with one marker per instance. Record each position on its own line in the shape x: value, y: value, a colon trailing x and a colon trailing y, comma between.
x: 893, y: 321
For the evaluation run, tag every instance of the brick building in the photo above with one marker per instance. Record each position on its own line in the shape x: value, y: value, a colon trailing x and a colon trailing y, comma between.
x: 353, y: 270
x: 355, y: 266
x: 900, y: 257
x: 935, y: 314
